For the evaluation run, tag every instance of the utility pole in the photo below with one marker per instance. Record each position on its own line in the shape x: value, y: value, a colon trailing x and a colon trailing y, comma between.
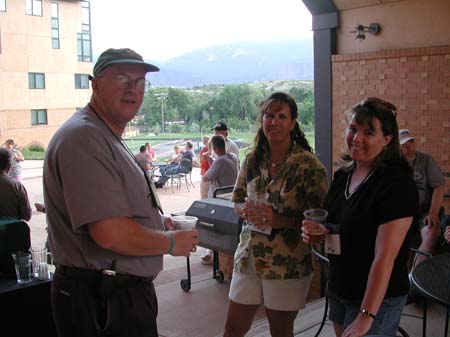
x: 162, y: 97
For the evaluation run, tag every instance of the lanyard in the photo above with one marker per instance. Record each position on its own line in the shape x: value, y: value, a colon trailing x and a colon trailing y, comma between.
x: 153, y: 196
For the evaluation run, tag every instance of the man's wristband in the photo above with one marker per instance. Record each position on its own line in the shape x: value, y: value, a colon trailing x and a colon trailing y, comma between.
x: 172, y: 243
x: 366, y: 313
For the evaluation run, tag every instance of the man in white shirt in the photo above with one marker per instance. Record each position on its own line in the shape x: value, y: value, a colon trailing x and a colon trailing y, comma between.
x: 222, y: 129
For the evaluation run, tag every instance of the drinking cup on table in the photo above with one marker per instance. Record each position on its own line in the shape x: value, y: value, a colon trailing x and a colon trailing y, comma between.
x: 318, y: 216
x: 38, y: 256
x: 43, y: 271
x: 184, y: 221
x: 22, y: 264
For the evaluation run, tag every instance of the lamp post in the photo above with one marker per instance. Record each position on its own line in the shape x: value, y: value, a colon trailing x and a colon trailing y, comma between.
x: 162, y: 97
x: 162, y: 114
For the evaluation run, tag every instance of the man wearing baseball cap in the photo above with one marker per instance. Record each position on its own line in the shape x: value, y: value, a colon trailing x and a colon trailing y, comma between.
x: 105, y: 228
x: 430, y: 184
x: 222, y: 129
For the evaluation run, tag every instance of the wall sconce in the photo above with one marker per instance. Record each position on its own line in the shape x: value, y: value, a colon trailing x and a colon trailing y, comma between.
x: 360, y: 30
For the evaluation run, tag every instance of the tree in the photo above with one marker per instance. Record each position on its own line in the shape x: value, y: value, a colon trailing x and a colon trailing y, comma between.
x: 235, y: 104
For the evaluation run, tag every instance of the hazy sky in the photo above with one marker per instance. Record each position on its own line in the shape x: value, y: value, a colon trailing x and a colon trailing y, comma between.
x: 163, y: 29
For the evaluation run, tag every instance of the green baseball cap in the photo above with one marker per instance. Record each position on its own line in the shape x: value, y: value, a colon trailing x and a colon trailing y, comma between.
x: 117, y: 56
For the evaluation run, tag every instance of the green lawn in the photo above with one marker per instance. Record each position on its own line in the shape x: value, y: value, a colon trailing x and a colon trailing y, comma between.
x: 33, y: 155
x: 136, y: 142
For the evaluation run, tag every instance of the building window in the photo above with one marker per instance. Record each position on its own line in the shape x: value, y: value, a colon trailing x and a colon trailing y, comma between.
x: 39, y: 117
x: 55, y: 25
x: 36, y: 80
x: 84, y: 47
x: 85, y: 16
x: 84, y: 38
x: 34, y: 7
x: 81, y: 81
x: 2, y: 5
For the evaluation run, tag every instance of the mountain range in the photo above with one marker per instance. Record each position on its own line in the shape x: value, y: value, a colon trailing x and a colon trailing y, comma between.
x: 237, y: 63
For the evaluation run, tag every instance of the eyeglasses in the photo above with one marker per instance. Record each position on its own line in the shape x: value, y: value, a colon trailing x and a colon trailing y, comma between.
x: 124, y: 82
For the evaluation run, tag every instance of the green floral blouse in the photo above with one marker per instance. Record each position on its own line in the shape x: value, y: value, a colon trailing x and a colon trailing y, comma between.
x: 301, y: 183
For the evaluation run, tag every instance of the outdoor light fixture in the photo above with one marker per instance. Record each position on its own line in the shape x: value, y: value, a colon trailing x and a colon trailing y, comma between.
x: 360, y: 30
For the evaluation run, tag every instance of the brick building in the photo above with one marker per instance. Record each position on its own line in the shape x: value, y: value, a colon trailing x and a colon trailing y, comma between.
x: 45, y: 58
x: 406, y: 62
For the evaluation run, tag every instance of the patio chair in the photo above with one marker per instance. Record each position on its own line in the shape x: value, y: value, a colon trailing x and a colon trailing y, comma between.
x: 13, y: 237
x: 188, y: 178
x: 184, y: 169
x: 324, y: 277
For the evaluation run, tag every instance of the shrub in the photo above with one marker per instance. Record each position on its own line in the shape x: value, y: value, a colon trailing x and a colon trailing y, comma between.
x: 36, y: 147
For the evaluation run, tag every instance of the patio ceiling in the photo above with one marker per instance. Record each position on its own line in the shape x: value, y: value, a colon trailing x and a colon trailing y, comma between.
x: 343, y: 5
x: 327, y: 6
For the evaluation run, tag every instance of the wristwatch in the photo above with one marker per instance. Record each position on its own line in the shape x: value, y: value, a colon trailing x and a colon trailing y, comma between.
x: 366, y: 313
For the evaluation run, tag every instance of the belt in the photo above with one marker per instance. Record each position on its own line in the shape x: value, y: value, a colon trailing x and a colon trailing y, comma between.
x: 94, y: 276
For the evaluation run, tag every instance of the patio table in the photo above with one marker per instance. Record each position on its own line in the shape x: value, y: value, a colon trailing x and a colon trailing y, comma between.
x: 29, y: 304
x: 432, y: 279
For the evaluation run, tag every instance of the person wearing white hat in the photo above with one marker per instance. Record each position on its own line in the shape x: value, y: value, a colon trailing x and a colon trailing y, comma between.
x: 430, y: 184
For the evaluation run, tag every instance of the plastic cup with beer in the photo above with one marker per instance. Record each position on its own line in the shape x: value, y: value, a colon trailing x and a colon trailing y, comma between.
x: 318, y: 216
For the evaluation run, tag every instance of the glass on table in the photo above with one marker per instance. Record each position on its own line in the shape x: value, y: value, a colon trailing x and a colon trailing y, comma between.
x: 40, y: 257
x: 22, y: 265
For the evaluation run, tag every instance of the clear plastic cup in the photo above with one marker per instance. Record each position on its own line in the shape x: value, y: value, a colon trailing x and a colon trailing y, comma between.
x: 39, y: 255
x: 259, y: 198
x: 320, y: 217
x: 184, y: 221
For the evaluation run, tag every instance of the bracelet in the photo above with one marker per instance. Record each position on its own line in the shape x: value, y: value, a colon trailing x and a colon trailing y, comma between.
x: 366, y: 313
x: 172, y: 243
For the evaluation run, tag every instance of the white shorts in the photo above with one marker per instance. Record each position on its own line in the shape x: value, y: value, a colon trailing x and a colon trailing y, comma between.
x: 281, y: 295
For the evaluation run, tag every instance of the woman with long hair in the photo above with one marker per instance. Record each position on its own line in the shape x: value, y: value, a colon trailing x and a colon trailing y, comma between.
x: 273, y: 267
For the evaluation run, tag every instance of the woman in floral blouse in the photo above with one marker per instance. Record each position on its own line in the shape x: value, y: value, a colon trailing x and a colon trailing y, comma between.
x: 274, y: 269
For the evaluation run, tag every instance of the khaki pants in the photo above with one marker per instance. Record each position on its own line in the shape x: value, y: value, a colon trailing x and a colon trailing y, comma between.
x: 204, y: 188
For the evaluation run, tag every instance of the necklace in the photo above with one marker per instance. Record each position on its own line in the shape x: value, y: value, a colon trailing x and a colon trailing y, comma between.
x: 277, y: 163
x: 347, y: 192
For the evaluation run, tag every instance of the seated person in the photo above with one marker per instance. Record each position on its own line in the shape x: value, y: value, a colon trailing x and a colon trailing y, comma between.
x: 144, y: 159
x: 435, y: 240
x: 150, y: 151
x: 14, y: 203
x: 430, y: 184
x: 14, y: 210
x: 177, y: 154
x: 180, y: 164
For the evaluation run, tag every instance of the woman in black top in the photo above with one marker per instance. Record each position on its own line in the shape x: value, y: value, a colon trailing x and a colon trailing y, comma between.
x: 370, y: 204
